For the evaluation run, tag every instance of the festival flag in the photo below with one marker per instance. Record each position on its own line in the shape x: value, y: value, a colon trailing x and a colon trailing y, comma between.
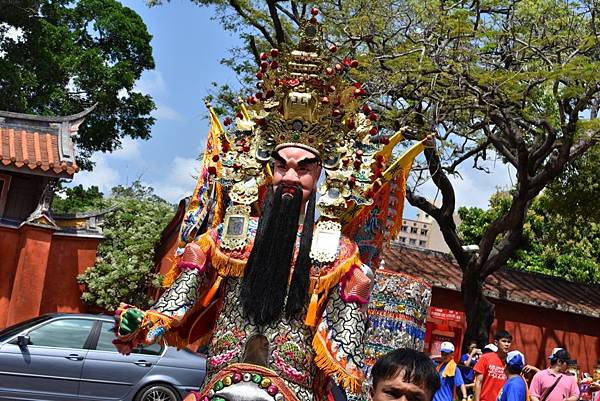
x: 380, y: 221
x: 207, y: 192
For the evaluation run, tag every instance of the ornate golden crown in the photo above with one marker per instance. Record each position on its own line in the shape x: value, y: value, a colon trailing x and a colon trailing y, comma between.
x: 305, y: 100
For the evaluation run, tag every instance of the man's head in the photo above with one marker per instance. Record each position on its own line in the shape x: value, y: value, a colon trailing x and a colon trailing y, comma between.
x: 404, y: 374
x: 515, y: 361
x: 266, y: 283
x: 489, y: 348
x: 472, y: 346
x: 296, y: 166
x: 502, y: 339
x: 559, y: 359
x: 447, y: 350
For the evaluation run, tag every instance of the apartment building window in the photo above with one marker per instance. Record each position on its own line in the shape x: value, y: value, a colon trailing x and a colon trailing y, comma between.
x: 405, y: 229
x: 413, y: 230
x: 423, y: 232
x: 423, y: 243
x: 412, y: 241
x: 402, y: 239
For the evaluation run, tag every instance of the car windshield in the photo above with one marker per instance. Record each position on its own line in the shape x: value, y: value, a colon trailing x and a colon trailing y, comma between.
x: 19, y: 327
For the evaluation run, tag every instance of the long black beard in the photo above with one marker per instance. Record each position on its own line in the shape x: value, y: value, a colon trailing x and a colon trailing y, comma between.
x: 265, y: 282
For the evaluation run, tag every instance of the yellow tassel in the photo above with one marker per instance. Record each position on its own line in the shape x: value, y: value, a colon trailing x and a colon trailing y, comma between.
x: 311, y: 314
x: 329, y: 366
x: 211, y: 293
x: 331, y: 279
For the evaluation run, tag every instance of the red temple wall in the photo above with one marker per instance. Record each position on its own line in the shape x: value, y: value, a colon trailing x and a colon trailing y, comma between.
x: 9, y: 251
x: 38, y: 270
x: 69, y: 257
x: 535, y: 330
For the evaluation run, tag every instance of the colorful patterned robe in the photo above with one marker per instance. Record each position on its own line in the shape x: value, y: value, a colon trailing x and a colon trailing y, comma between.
x: 203, y: 304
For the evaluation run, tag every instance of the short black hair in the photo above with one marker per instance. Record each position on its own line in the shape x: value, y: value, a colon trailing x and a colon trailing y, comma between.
x: 418, y: 368
x: 500, y: 334
x: 513, y: 370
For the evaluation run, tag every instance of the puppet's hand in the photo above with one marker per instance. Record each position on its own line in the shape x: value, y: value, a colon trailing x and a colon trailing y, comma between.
x: 130, y: 321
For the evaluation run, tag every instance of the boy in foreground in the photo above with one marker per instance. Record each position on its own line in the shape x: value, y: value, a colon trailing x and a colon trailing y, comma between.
x: 404, y: 375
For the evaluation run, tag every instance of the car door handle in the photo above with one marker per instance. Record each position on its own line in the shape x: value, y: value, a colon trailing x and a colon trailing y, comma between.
x: 74, y: 357
x: 142, y: 362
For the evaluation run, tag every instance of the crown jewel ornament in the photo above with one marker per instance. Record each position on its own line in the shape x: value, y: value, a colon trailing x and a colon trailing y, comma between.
x: 306, y: 100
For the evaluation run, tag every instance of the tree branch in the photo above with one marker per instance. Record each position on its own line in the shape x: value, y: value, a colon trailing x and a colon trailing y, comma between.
x: 252, y: 21
x: 279, y: 33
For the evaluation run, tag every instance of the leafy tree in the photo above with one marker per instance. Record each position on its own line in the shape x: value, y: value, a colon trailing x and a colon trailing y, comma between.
x: 510, y: 79
x: 552, y: 243
x: 575, y: 194
x: 78, y: 199
x: 123, y: 270
x: 65, y: 55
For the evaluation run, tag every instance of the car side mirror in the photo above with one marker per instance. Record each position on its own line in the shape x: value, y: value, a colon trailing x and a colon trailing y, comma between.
x: 23, y: 341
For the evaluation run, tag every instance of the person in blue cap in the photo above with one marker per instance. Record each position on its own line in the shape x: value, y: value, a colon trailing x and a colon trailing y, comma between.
x: 515, y: 388
x: 450, y: 376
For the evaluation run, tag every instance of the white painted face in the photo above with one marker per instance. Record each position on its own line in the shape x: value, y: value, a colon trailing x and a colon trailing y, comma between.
x: 296, y: 166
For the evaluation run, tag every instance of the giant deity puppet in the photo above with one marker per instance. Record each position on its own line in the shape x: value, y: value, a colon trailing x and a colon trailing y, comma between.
x: 279, y: 299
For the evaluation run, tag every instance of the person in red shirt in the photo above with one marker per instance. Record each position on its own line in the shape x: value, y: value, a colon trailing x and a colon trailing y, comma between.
x: 489, y: 370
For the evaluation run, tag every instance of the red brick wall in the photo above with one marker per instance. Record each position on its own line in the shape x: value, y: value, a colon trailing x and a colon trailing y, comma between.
x: 69, y: 256
x: 38, y: 272
x: 537, y: 330
x: 9, y: 252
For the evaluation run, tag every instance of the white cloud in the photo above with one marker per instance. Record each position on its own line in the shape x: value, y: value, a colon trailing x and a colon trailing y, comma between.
x: 180, y: 181
x: 129, y: 151
x: 103, y: 175
x: 9, y: 32
x: 13, y: 33
x: 163, y: 112
x: 151, y: 83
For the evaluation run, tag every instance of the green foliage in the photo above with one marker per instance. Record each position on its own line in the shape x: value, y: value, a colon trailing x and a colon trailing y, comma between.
x: 123, y: 270
x: 78, y: 199
x: 475, y: 221
x: 554, y: 244
x: 71, y: 54
x: 577, y: 191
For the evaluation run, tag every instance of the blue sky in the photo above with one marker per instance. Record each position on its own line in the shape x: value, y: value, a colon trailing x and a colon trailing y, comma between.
x: 187, y: 48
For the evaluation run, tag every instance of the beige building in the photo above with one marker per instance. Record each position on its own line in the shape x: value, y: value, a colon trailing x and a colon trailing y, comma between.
x: 423, y: 232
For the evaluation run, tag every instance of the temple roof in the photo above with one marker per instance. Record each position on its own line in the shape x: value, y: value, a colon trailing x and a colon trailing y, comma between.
x: 442, y: 271
x: 39, y: 144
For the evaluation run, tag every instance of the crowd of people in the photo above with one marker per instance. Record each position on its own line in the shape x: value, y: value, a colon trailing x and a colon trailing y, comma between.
x: 495, y: 373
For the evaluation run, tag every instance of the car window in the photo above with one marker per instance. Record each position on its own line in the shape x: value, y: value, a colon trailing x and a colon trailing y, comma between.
x: 107, y: 335
x: 8, y: 332
x: 62, y: 333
